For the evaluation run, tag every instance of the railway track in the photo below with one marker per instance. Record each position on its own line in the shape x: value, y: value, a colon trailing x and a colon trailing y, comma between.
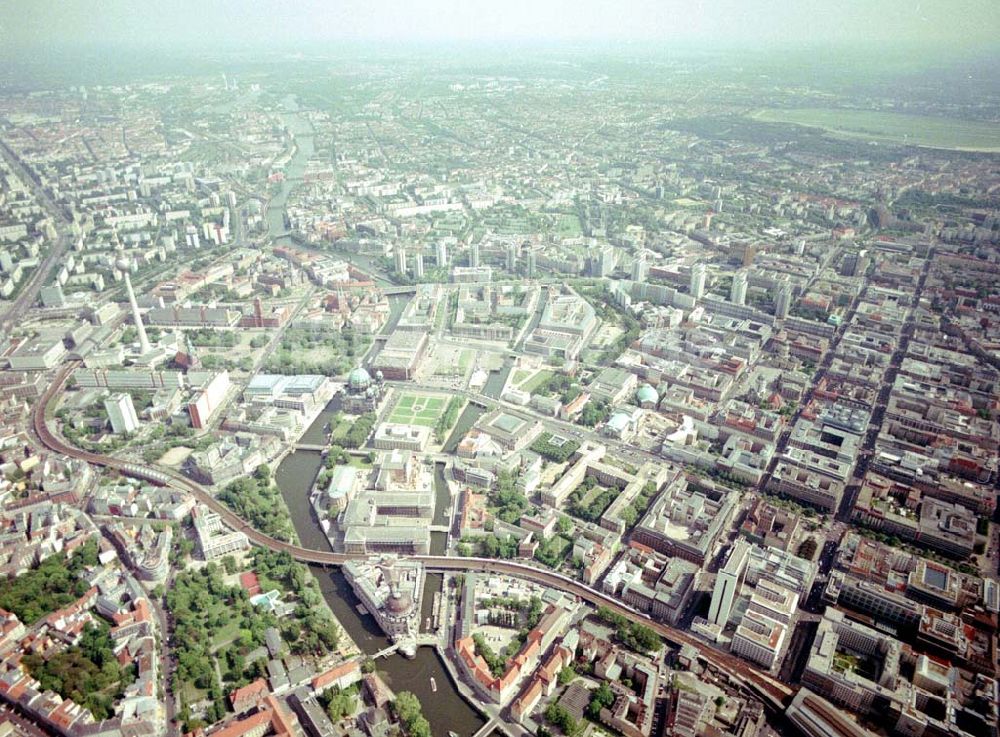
x: 772, y: 691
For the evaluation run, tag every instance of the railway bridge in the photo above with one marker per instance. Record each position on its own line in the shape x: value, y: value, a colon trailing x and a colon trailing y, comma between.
x: 772, y: 692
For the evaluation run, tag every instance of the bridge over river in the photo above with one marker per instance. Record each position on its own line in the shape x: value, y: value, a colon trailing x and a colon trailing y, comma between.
x: 773, y: 692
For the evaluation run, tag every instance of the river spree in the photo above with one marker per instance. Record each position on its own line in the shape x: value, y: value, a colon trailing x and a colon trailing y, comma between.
x: 298, y: 125
x: 444, y: 707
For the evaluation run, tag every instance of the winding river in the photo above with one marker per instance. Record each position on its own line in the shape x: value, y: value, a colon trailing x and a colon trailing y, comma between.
x: 444, y: 707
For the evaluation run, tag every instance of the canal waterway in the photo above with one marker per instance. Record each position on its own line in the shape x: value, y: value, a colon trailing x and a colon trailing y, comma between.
x: 497, y: 379
x: 444, y: 707
x: 466, y: 420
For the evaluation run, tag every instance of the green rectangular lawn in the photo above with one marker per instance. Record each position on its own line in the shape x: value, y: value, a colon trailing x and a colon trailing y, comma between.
x: 536, y: 381
x: 417, y: 409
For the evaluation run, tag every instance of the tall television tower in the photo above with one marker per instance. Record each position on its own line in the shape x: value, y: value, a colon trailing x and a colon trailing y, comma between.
x: 124, y: 266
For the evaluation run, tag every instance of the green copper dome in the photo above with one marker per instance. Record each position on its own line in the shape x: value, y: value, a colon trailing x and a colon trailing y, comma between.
x: 359, y: 379
x: 647, y: 395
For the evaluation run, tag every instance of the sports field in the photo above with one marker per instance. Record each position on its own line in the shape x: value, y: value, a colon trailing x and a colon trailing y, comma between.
x: 418, y: 409
x: 913, y: 130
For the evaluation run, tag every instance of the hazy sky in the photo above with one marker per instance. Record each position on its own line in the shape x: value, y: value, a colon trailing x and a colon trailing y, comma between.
x: 211, y: 23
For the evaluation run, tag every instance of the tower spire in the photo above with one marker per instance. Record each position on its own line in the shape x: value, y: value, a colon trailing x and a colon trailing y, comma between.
x: 124, y: 265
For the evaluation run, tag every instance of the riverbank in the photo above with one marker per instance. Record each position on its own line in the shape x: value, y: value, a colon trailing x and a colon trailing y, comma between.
x: 452, y: 712
x: 426, y: 675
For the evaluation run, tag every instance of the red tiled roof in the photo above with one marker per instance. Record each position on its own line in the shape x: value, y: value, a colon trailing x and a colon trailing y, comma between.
x: 249, y: 694
x: 271, y: 712
x: 528, y: 698
x: 335, y: 674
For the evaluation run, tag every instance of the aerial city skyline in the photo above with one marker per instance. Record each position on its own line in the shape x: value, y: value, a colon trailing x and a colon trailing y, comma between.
x: 526, y: 369
x: 954, y: 25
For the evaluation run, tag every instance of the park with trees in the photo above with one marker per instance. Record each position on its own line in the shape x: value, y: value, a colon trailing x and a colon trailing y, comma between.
x: 411, y: 718
x: 257, y: 499
x: 55, y: 583
x: 216, y: 629
x: 88, y: 672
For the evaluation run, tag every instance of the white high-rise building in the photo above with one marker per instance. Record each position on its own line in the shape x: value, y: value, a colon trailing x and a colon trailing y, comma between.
x: 640, y: 269
x: 531, y: 263
x: 400, y: 255
x: 738, y: 292
x: 511, y: 257
x: 442, y: 254
x: 418, y: 265
x: 603, y: 262
x: 783, y: 300
x: 191, y: 237
x: 728, y: 581
x: 121, y: 413
x: 474, y: 256
x: 208, y: 400
x: 698, y: 281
